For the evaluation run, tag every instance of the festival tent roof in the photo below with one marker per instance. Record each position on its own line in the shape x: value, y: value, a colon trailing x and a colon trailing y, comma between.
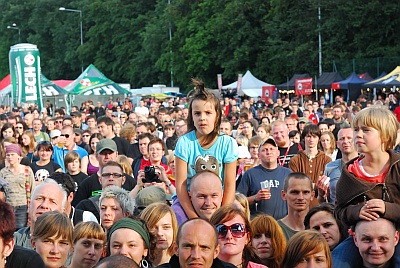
x: 326, y: 80
x: 5, y: 82
x: 353, y: 84
x: 94, y: 82
x: 392, y: 79
x: 251, y: 86
x: 51, y: 89
x: 62, y: 83
x: 365, y: 76
x: 290, y: 85
x: 48, y: 87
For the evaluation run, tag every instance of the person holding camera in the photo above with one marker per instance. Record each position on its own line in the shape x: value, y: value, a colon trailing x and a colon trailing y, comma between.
x: 156, y: 173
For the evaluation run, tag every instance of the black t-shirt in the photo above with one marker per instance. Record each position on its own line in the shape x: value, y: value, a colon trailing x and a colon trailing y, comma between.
x: 285, y: 155
x: 91, y: 184
x: 78, y: 178
x: 43, y: 172
x: 123, y: 147
x: 24, y: 258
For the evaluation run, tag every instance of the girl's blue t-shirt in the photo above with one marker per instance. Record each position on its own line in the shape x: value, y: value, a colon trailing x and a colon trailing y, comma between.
x: 223, y: 151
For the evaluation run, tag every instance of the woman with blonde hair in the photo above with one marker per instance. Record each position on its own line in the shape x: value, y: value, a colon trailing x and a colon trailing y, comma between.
x: 268, y: 240
x: 161, y: 220
x: 242, y: 203
x: 88, y: 242
x: 52, y: 230
x: 28, y: 144
x: 328, y: 144
x: 126, y: 165
x: 307, y: 248
x: 263, y: 131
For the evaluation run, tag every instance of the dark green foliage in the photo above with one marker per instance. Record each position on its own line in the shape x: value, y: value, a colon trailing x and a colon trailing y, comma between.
x: 129, y: 40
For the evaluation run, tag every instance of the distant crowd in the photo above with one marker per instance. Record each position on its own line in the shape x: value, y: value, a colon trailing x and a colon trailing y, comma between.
x: 201, y: 180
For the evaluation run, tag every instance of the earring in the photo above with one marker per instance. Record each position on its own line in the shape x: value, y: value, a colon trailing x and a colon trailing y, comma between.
x: 144, y: 263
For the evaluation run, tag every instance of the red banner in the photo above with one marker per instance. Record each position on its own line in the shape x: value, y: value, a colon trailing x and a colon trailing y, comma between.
x: 335, y: 85
x: 267, y: 92
x: 303, y: 86
x: 219, y: 78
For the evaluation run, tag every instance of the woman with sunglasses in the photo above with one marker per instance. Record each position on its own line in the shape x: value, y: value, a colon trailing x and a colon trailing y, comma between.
x: 234, y: 237
x: 20, y: 127
x: 45, y: 165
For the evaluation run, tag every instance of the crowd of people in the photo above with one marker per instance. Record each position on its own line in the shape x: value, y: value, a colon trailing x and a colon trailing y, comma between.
x: 230, y: 182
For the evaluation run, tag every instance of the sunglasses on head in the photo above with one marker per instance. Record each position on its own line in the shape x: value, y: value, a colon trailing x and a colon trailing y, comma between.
x: 65, y: 135
x: 237, y: 230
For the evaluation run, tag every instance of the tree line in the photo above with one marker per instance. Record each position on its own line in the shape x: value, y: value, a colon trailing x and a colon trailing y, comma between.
x: 145, y: 42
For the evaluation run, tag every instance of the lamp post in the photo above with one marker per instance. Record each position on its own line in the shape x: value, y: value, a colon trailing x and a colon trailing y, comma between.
x: 80, y: 15
x: 14, y: 27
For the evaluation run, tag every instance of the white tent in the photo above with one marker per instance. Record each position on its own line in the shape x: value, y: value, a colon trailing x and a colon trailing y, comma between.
x: 250, y: 86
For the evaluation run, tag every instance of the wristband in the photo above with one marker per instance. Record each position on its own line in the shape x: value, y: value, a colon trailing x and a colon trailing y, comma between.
x: 169, y: 185
x: 255, y: 200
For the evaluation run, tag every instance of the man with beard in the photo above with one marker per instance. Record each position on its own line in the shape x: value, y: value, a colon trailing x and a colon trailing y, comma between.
x: 338, y: 112
x: 287, y: 149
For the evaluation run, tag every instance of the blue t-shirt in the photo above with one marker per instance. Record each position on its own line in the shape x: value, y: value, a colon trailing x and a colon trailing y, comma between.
x: 59, y: 154
x: 223, y: 151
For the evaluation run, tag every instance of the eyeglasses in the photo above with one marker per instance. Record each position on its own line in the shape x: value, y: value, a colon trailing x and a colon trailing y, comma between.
x: 60, y: 122
x: 237, y: 230
x: 85, y: 135
x: 65, y: 135
x: 108, y: 175
x: 19, y: 127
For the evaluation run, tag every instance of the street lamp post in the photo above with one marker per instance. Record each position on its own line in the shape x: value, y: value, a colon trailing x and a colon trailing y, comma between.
x: 80, y: 15
x: 14, y: 27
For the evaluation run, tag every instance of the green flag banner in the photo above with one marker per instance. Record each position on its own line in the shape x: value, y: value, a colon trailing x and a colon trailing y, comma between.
x: 25, y: 74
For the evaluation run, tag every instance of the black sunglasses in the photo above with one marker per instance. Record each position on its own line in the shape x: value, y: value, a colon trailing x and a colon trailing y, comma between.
x: 59, y: 122
x: 65, y: 135
x: 237, y: 230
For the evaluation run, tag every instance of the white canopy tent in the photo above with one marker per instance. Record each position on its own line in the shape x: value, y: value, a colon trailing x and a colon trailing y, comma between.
x: 251, y: 86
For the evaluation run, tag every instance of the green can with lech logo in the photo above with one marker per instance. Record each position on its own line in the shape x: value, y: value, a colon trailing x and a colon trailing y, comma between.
x: 25, y: 74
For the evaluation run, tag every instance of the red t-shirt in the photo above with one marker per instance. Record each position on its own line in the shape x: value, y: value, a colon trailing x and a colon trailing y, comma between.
x: 356, y: 169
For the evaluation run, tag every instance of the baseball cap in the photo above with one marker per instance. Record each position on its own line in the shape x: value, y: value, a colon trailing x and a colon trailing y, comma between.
x: 78, y: 114
x: 55, y: 133
x: 269, y: 140
x: 303, y: 119
x: 328, y: 121
x: 150, y: 195
x: 114, y: 114
x: 78, y: 131
x: 106, y: 144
